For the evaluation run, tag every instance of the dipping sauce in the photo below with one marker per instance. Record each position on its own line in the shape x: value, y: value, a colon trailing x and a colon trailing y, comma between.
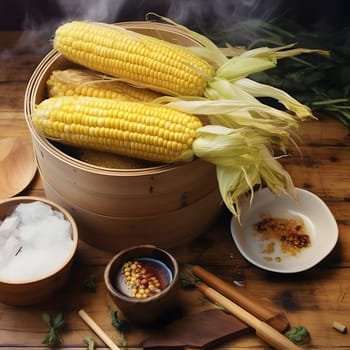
x: 290, y: 233
x: 143, y: 277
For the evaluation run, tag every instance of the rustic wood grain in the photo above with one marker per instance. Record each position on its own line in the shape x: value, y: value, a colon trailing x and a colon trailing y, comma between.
x: 315, y: 298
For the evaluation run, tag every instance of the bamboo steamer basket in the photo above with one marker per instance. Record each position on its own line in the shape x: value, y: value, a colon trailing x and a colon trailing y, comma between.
x: 166, y: 205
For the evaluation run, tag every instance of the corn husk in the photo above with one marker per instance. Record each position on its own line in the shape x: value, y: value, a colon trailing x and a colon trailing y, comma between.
x: 243, y: 161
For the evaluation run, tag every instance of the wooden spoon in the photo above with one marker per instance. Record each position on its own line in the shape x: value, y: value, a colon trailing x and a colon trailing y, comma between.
x: 17, y: 165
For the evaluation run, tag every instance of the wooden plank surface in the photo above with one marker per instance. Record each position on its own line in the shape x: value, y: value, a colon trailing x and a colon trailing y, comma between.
x: 314, y: 298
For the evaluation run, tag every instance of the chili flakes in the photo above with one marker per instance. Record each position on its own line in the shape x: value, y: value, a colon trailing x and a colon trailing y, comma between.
x: 290, y: 233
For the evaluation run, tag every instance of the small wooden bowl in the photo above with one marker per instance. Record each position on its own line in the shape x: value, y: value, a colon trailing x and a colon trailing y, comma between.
x: 33, y: 291
x: 149, y: 310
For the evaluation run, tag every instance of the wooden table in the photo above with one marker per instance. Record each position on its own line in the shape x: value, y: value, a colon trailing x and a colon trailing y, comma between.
x: 315, y: 298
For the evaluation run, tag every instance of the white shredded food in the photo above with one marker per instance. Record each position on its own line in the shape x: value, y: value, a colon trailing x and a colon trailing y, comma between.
x: 34, y: 241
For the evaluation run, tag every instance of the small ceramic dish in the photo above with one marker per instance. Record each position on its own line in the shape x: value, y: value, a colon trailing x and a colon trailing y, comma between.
x: 266, y: 252
x: 132, y: 277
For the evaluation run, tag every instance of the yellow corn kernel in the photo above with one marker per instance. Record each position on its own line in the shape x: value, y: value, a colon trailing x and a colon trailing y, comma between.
x: 112, y: 126
x: 134, y: 57
x: 78, y: 82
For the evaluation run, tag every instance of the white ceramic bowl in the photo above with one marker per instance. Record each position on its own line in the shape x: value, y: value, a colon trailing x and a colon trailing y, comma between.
x: 319, y: 224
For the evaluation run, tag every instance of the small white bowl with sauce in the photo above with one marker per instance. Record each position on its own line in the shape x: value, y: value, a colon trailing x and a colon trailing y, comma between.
x: 305, y: 218
x: 143, y: 283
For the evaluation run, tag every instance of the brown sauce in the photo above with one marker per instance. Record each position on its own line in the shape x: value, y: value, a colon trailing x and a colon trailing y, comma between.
x: 143, y: 277
x: 290, y: 233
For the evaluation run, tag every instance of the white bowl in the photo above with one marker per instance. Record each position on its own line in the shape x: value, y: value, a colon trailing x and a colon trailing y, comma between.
x: 319, y: 224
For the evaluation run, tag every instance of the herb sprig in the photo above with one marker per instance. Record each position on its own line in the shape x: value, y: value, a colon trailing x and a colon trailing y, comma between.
x: 90, y: 283
x: 52, y: 337
x: 119, y: 324
x: 90, y: 342
x: 298, y: 335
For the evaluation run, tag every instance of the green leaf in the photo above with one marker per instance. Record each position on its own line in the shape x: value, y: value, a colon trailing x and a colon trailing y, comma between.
x: 90, y: 342
x: 90, y: 284
x: 52, y: 338
x: 46, y: 318
x: 121, y: 325
x: 58, y: 321
x: 298, y: 335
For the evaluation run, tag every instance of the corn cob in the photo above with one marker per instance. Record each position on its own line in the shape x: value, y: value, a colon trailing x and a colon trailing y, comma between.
x: 171, y: 69
x: 150, y: 132
x: 163, y: 134
x: 151, y: 62
x: 71, y: 82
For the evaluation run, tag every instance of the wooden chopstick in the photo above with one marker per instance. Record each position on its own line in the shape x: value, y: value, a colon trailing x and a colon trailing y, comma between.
x: 275, y: 319
x: 98, y: 330
x: 263, y: 330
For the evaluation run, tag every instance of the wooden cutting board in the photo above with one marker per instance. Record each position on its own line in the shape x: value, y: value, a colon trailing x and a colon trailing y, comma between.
x: 199, y: 330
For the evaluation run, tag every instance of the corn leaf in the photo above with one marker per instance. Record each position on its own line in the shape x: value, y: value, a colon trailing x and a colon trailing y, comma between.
x: 241, y: 66
x: 223, y: 89
x: 243, y: 161
x: 262, y: 90
x: 257, y: 60
x: 225, y: 146
x: 255, y: 112
x: 272, y: 123
x: 278, y: 52
x: 208, y: 51
x: 234, y: 183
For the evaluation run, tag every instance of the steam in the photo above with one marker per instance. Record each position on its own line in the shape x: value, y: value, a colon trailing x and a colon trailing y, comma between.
x: 38, y: 31
x: 91, y: 10
x: 221, y: 12
x: 199, y: 15
x: 213, y: 18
